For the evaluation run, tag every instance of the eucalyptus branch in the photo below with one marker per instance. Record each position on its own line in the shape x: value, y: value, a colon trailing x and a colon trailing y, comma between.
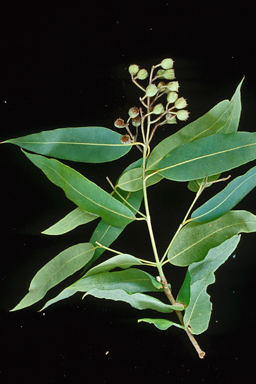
x: 192, y: 153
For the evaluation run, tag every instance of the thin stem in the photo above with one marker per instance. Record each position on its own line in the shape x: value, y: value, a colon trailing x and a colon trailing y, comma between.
x: 108, y: 249
x: 184, y: 220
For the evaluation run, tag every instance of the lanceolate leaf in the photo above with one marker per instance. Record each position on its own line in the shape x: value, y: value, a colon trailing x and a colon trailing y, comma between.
x: 208, y: 156
x: 161, y: 324
x: 75, y: 218
x: 84, y: 193
x: 123, y: 261
x: 195, y: 239
x: 65, y: 294
x: 57, y: 270
x: 86, y: 144
x: 223, y: 118
x: 227, y: 198
x: 198, y: 312
x: 131, y: 280
x: 208, y: 124
x: 136, y: 300
x: 199, y: 270
x: 232, y: 124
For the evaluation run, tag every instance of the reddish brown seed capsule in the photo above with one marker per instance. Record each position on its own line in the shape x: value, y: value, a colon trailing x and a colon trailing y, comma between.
x: 125, y: 139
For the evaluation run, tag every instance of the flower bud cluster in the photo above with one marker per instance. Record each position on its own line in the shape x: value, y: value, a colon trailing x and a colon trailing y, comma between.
x: 137, y: 73
x: 165, y: 114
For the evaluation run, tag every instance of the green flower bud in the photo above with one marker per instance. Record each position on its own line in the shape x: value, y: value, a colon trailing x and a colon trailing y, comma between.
x: 181, y: 103
x: 119, y: 123
x: 182, y: 115
x: 173, y: 86
x: 172, y: 97
x: 136, y: 121
x: 167, y: 63
x: 142, y: 74
x: 158, y: 109
x: 133, y: 69
x: 151, y: 90
x: 133, y: 112
x: 161, y: 86
x: 169, y: 74
x: 160, y: 73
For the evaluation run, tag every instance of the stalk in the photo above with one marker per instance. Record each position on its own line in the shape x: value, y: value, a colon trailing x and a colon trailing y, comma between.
x: 159, y: 264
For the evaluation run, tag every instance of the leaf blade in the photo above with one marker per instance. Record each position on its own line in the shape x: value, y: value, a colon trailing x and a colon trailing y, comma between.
x: 84, y: 144
x: 195, y: 240
x: 226, y: 199
x: 72, y: 220
x: 58, y: 269
x: 161, y: 324
x: 208, y: 156
x: 136, y: 300
x: 198, y: 313
x: 83, y: 192
x: 131, y: 280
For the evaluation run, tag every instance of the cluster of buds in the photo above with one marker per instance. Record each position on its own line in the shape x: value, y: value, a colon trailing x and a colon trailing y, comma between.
x: 160, y: 83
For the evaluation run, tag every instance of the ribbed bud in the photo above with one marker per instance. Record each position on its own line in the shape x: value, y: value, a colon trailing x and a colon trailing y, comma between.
x: 151, y: 90
x: 182, y: 115
x: 172, y: 97
x: 161, y: 86
x: 173, y: 86
x: 167, y: 63
x: 136, y: 121
x: 158, y: 109
x: 169, y: 74
x: 142, y: 74
x: 133, y: 69
x: 119, y: 123
x: 160, y: 73
x: 133, y: 112
x: 181, y: 103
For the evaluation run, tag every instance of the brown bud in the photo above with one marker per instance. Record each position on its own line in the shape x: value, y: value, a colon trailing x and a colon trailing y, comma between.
x: 119, y: 123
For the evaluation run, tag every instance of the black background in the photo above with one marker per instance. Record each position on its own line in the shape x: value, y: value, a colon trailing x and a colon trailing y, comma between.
x: 65, y: 64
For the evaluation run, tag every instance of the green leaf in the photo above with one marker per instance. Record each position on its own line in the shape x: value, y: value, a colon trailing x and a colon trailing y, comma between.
x: 75, y: 218
x: 65, y: 294
x: 199, y: 270
x: 225, y: 200
x: 198, y: 312
x: 136, y: 300
x: 106, y: 234
x: 195, y: 239
x: 232, y: 123
x: 214, y: 259
x: 208, y: 156
x: 86, y: 144
x: 132, y: 180
x: 123, y: 261
x: 58, y: 269
x: 207, y: 125
x: 222, y: 118
x: 131, y: 280
x: 161, y: 324
x: 84, y: 193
